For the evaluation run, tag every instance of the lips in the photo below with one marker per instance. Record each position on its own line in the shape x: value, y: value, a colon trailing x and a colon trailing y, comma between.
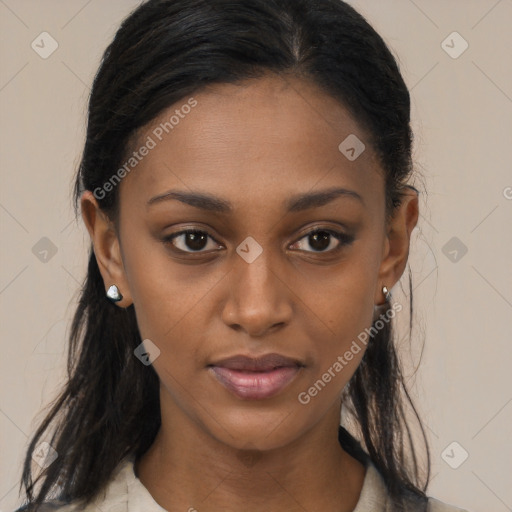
x: 255, y: 378
x: 261, y: 364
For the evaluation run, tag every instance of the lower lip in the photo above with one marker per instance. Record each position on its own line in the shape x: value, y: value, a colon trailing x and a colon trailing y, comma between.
x: 255, y: 385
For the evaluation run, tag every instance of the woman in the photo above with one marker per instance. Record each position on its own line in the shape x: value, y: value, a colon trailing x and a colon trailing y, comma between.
x: 244, y: 183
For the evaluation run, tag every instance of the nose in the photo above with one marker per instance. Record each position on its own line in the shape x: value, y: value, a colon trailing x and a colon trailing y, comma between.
x: 259, y: 299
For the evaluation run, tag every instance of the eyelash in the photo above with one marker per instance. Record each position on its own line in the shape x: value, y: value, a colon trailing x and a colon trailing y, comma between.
x: 342, y: 238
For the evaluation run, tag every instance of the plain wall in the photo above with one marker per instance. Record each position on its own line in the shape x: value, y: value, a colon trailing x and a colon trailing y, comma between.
x: 462, y: 118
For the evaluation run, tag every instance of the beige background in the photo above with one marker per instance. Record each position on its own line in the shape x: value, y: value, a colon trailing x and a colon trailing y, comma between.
x: 462, y: 111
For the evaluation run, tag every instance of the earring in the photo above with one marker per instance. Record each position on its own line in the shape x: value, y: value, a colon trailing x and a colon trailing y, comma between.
x: 387, y: 293
x: 113, y: 294
x: 381, y: 308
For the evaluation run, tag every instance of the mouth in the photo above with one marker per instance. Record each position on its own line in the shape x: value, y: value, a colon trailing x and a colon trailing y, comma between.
x: 255, y: 378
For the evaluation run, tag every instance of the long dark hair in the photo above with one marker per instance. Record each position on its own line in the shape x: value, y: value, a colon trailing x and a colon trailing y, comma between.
x: 165, y: 51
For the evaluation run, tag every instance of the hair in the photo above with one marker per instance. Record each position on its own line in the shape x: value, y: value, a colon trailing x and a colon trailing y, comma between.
x: 163, y: 52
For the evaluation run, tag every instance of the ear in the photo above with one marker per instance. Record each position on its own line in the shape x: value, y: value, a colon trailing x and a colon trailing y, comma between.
x: 397, y: 241
x: 106, y: 247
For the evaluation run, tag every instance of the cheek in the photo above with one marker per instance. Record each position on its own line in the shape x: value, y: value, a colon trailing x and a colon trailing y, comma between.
x: 338, y: 316
x: 338, y: 301
x: 164, y: 293
x: 337, y: 354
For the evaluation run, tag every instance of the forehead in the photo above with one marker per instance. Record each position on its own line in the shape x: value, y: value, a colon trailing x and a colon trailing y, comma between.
x: 280, y: 135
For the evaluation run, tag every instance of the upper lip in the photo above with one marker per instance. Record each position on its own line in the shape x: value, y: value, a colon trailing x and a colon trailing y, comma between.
x: 263, y: 363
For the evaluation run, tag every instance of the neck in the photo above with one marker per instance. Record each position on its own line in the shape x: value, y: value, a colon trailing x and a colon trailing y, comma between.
x: 187, y: 469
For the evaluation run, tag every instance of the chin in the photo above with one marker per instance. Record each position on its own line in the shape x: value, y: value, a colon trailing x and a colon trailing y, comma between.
x: 255, y: 430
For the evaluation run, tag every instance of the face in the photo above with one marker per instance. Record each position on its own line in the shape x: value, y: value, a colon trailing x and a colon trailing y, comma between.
x: 246, y: 231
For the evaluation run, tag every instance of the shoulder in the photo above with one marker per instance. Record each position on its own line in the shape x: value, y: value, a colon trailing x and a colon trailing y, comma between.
x: 435, y: 505
x: 375, y: 497
x: 113, y: 498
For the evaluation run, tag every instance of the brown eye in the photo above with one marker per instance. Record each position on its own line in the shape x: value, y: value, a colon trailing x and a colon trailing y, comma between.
x: 323, y: 240
x: 191, y: 241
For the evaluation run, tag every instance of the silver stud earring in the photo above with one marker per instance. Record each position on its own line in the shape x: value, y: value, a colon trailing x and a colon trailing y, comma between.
x: 113, y: 294
x: 378, y: 309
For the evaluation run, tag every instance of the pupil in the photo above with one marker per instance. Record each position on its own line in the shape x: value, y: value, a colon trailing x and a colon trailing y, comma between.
x: 196, y: 241
x: 319, y: 240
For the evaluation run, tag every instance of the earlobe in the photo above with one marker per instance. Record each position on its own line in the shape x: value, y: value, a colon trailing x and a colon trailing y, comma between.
x: 398, y: 238
x: 106, y: 249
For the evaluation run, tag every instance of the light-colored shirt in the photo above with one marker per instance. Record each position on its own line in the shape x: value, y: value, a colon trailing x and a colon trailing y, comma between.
x: 126, y: 493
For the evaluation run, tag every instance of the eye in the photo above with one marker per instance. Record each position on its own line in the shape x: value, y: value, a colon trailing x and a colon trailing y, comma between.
x: 323, y: 240
x: 191, y: 240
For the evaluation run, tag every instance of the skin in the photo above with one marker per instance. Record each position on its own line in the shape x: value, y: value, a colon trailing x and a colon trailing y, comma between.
x: 256, y: 145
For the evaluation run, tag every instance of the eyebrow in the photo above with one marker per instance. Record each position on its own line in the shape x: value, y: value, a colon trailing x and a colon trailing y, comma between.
x: 296, y: 203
